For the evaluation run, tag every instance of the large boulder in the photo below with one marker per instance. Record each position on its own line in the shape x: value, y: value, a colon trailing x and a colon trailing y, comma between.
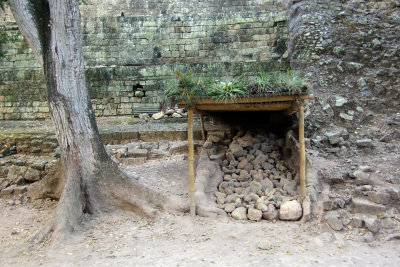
x: 290, y: 211
x: 176, y: 115
x: 13, y: 190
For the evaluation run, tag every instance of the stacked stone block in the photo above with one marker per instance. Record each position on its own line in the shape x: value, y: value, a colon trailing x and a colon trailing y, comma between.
x: 132, y: 53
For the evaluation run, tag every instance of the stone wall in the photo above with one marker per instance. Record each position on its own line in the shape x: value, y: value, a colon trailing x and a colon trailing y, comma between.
x: 114, y: 8
x: 133, y: 48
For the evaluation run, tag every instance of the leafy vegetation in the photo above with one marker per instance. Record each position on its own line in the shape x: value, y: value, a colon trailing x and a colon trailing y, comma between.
x: 229, y: 90
x: 278, y: 82
x: 187, y: 87
x: 262, y: 83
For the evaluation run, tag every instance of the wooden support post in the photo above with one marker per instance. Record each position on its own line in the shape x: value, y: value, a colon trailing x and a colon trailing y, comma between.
x: 302, y: 153
x: 203, y: 133
x: 191, y: 164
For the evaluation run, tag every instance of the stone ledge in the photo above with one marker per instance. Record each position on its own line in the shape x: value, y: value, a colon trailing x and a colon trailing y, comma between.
x: 38, y: 137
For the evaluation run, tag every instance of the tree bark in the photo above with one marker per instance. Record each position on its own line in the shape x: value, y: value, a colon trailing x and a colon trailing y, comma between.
x: 93, y: 183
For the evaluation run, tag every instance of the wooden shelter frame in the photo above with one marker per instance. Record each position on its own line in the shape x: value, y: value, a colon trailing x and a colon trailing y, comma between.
x: 285, y: 103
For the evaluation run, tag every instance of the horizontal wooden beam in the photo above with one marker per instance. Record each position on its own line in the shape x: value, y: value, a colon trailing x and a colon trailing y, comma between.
x: 243, y: 107
x: 263, y: 99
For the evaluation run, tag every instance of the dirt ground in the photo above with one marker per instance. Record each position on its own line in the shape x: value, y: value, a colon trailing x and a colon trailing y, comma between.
x: 127, y: 239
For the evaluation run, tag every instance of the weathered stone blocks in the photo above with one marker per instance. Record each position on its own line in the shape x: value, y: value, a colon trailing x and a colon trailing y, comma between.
x: 121, y: 52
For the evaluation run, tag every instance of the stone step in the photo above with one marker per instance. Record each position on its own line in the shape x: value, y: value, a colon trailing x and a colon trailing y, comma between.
x: 361, y: 205
x: 43, y: 141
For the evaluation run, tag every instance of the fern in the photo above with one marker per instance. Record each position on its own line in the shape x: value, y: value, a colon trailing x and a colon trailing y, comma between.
x: 186, y: 87
x: 231, y: 90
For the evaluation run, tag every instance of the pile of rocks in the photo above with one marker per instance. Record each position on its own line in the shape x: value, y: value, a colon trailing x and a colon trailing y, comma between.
x: 342, y: 143
x: 256, y: 184
x: 170, y: 113
x: 357, y: 202
x: 19, y: 171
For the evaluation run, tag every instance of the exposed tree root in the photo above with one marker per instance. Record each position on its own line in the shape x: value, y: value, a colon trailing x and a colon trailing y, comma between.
x: 104, y: 191
x: 208, y: 177
x: 44, y: 233
x: 209, y: 211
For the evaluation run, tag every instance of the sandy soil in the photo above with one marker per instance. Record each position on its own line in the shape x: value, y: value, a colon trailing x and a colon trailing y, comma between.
x: 126, y: 239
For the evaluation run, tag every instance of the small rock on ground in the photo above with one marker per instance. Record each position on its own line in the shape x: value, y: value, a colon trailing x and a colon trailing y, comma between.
x: 254, y: 215
x: 334, y: 222
x: 239, y: 213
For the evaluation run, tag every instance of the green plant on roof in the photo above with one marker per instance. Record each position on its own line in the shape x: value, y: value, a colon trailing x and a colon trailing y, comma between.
x: 185, y: 87
x: 230, y: 90
x: 263, y: 82
x: 292, y: 83
x: 277, y: 82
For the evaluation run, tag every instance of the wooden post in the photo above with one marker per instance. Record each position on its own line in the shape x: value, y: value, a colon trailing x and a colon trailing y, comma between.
x: 302, y: 153
x: 203, y: 133
x: 191, y: 163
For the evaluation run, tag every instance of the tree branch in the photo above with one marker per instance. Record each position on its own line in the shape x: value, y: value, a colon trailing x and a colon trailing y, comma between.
x: 23, y: 14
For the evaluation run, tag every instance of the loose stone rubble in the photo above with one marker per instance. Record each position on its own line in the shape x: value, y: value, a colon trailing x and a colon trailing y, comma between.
x: 256, y: 182
x: 259, y: 182
x: 18, y: 172
x: 170, y: 113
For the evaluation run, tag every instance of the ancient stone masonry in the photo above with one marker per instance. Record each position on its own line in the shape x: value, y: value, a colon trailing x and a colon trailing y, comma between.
x: 27, y: 158
x: 175, y: 7
x: 20, y: 172
x: 133, y: 48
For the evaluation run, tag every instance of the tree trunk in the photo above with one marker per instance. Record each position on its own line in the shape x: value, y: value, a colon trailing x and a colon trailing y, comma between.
x: 93, y: 183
